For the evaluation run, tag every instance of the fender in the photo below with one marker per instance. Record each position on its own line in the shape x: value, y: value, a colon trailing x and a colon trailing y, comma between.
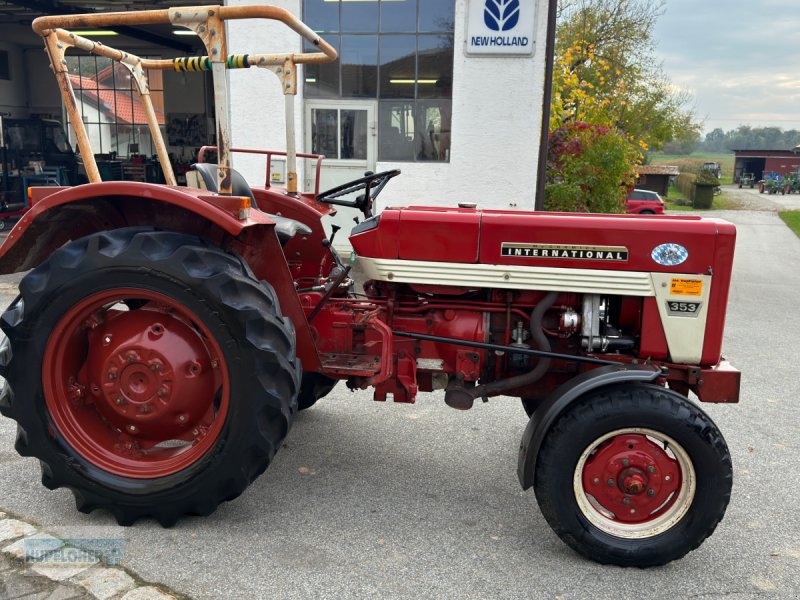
x: 57, y: 217
x: 562, y: 397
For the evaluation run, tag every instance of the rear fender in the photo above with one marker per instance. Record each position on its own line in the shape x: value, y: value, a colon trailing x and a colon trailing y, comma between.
x: 556, y: 403
x: 74, y: 212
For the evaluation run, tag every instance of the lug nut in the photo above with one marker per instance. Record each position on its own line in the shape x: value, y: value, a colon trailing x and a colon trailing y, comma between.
x: 651, y: 492
x: 626, y: 500
x: 132, y: 428
x: 610, y: 482
x: 651, y: 469
x: 626, y: 462
x: 667, y: 478
x: 596, y: 480
x: 161, y: 392
x: 181, y: 418
x: 118, y: 400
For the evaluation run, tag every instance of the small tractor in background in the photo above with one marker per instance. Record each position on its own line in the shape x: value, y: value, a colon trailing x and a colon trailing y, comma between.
x: 166, y: 336
x: 747, y: 180
x: 791, y: 183
x: 772, y: 184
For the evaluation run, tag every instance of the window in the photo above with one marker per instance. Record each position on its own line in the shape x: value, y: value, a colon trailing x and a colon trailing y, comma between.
x: 339, y: 133
x: 110, y: 106
x: 399, y: 52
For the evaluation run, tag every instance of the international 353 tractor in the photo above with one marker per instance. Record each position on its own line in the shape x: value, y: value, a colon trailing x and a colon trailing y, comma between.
x: 165, y: 337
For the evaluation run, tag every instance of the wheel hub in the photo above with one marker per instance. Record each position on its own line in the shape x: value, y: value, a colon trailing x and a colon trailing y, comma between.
x: 149, y: 373
x: 631, y: 478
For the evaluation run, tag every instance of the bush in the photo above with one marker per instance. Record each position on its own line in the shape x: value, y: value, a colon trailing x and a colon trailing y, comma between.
x: 589, y: 169
x: 685, y: 183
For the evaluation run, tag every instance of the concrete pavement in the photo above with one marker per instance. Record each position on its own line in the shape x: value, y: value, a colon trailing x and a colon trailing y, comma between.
x: 422, y: 501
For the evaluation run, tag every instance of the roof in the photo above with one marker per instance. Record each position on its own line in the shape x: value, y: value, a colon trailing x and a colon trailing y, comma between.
x: 125, y: 108
x: 657, y: 170
x: 773, y: 152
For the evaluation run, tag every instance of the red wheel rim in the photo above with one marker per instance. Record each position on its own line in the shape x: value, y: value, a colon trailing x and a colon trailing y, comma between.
x: 634, y: 483
x: 135, y: 383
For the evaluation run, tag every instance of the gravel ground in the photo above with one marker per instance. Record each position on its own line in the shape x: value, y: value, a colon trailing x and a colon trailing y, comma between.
x: 747, y: 199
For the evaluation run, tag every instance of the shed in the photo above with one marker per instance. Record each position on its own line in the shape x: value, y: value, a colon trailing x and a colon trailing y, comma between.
x: 655, y: 178
x: 759, y: 162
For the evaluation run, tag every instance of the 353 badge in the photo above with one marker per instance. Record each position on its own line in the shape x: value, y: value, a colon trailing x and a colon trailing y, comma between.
x: 683, y: 309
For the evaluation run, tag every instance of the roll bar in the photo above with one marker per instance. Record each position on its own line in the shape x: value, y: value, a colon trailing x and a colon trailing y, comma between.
x: 208, y: 22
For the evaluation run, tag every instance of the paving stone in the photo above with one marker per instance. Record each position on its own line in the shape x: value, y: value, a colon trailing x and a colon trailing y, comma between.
x: 67, y: 592
x: 33, y: 547
x: 103, y: 583
x: 59, y: 570
x: 147, y: 593
x: 15, y: 585
x: 11, y: 529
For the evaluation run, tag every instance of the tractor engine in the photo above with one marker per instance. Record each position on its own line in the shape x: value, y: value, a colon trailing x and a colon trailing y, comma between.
x: 517, y: 304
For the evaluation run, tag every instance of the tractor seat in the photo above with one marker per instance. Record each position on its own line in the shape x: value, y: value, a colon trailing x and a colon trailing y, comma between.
x: 285, y: 228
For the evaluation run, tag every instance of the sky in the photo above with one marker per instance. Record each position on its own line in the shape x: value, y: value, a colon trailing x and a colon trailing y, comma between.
x: 738, y: 59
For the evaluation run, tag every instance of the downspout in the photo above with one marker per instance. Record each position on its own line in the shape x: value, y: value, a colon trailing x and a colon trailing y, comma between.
x: 550, y: 52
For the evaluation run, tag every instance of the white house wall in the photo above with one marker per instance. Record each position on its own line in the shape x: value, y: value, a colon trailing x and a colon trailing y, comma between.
x: 496, y: 120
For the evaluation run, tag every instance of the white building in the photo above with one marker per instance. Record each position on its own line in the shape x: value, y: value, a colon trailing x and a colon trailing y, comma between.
x: 449, y: 91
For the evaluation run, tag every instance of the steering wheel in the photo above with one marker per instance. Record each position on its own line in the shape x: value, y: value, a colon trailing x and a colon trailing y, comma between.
x: 371, y: 183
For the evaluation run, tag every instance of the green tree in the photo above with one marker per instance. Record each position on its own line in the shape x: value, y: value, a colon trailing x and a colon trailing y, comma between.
x: 606, y: 73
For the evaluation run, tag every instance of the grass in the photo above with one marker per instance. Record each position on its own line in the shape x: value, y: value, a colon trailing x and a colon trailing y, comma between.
x: 691, y: 163
x: 792, y: 219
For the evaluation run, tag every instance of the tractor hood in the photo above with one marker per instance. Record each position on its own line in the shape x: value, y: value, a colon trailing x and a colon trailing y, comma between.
x: 677, y: 244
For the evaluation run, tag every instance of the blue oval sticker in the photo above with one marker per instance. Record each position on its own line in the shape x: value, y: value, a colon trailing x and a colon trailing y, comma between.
x: 669, y: 255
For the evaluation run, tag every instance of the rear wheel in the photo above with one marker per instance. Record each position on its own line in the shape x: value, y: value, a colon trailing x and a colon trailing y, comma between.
x: 647, y: 212
x: 633, y: 475
x: 313, y: 387
x: 168, y: 376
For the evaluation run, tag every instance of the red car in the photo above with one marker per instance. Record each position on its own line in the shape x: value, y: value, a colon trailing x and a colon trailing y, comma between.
x: 644, y: 202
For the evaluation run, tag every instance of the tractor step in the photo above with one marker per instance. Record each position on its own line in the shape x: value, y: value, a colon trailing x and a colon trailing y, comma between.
x: 351, y: 365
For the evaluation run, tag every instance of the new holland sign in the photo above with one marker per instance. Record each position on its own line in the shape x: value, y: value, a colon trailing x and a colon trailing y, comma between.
x: 504, y: 27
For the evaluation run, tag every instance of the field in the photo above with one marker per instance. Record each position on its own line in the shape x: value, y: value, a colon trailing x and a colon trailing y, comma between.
x: 691, y: 163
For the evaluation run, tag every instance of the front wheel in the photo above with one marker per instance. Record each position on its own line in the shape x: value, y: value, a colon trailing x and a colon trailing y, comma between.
x: 149, y: 372
x: 633, y: 475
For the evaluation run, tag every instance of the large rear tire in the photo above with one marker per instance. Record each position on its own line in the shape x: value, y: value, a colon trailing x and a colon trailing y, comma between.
x: 633, y: 475
x: 149, y: 372
x: 313, y: 387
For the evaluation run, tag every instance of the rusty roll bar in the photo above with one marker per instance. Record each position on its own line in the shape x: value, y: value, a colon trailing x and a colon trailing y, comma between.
x: 208, y: 23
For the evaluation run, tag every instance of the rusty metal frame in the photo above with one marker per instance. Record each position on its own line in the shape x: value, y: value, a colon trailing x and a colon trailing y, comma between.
x: 208, y: 22
x: 318, y: 158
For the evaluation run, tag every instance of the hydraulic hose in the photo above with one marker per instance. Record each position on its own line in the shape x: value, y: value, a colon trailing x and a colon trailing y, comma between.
x: 542, y: 343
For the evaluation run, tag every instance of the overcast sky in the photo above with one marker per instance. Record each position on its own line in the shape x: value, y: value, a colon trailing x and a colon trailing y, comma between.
x: 737, y: 58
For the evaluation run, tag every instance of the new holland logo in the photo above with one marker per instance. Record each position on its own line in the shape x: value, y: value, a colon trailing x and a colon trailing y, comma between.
x: 564, y: 251
x: 501, y: 15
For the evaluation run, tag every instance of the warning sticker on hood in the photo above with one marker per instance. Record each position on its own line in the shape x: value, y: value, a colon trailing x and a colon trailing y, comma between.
x: 685, y: 287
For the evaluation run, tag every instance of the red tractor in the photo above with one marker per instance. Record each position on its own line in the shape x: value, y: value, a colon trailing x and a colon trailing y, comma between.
x: 166, y: 336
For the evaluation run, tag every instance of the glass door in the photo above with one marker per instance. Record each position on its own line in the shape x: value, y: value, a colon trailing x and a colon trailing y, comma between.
x: 345, y: 133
